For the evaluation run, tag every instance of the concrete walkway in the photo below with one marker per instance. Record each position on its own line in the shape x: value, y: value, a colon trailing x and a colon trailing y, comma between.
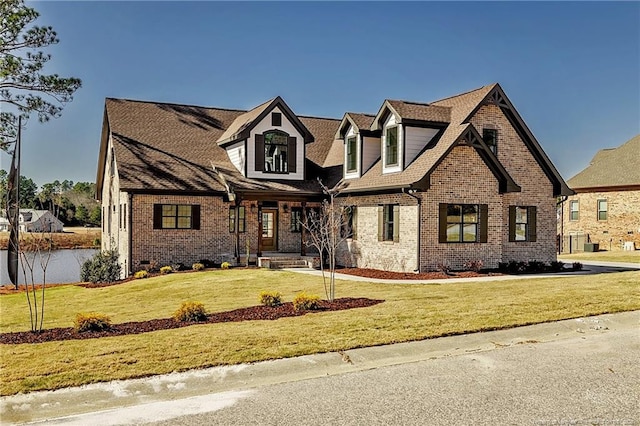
x: 589, y: 269
x: 198, y: 388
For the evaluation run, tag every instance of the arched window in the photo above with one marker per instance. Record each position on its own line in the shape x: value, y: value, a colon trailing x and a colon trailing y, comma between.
x: 276, y: 147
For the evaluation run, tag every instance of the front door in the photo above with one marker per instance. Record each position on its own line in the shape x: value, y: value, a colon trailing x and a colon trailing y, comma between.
x: 269, y: 229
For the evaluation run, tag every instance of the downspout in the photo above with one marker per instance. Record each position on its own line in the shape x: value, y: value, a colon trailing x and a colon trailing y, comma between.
x: 411, y: 193
x: 130, y: 227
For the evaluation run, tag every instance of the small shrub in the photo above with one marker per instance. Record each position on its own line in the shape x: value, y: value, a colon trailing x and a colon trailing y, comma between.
x: 306, y: 302
x: 92, y: 321
x: 207, y: 263
x: 197, y: 266
x: 270, y: 298
x: 444, y: 268
x: 103, y: 267
x: 141, y: 274
x: 535, y: 266
x: 225, y: 265
x: 556, y: 265
x: 473, y: 265
x: 178, y: 267
x: 577, y: 266
x: 166, y: 270
x: 190, y: 311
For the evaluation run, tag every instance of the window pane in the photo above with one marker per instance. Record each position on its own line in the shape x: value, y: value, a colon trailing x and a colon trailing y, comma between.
x: 470, y: 213
x: 184, y: 211
x: 453, y: 233
x: 521, y: 232
x: 454, y: 213
x: 275, y: 151
x: 169, y: 222
x: 521, y: 215
x: 392, y: 146
x: 470, y: 233
x: 602, y: 215
x: 168, y: 210
x: 351, y: 154
x: 184, y: 222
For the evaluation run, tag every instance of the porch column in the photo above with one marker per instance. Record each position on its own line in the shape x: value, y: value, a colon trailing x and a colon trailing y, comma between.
x: 303, y: 231
x: 259, y: 230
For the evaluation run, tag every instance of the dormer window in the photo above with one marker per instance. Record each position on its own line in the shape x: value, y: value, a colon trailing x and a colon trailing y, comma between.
x: 276, y: 146
x: 352, y: 150
x: 391, y: 146
x: 276, y: 119
x: 490, y: 137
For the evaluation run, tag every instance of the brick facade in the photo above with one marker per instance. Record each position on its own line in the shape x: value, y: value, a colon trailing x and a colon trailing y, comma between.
x: 621, y: 225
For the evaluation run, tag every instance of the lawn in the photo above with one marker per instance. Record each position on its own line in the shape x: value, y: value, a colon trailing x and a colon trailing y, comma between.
x: 410, y: 312
x: 605, y: 256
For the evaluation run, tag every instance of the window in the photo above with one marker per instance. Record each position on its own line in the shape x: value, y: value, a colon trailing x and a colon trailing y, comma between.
x: 239, y: 213
x: 348, y: 229
x: 276, y: 147
x: 352, y: 150
x: 391, y: 146
x: 602, y: 209
x: 574, y: 210
x: 463, y: 223
x: 296, y: 219
x: 276, y: 119
x: 490, y: 137
x: 176, y: 216
x: 389, y: 222
x: 522, y: 223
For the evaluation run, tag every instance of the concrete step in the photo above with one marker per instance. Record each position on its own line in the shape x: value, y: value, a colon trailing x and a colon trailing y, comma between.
x: 288, y: 263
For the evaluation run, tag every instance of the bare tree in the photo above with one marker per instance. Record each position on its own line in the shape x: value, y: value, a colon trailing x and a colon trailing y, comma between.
x: 327, y: 229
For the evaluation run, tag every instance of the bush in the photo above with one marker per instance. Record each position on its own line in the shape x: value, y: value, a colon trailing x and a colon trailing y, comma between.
x: 141, y: 274
x: 473, y: 265
x: 444, y: 268
x: 535, y: 266
x: 166, y: 270
x: 103, y: 267
x: 197, y: 266
x: 92, y: 321
x: 270, y: 298
x: 556, y: 266
x: 577, y: 266
x: 306, y: 302
x: 190, y: 311
x: 225, y: 265
x: 96, y: 242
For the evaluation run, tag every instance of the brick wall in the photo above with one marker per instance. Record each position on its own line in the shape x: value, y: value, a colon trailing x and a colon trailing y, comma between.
x: 623, y: 218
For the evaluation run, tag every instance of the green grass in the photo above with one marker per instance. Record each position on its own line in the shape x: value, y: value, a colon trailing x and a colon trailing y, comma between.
x: 605, y: 256
x: 410, y: 312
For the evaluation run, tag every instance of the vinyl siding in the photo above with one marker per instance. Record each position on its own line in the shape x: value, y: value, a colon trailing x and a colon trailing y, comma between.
x: 415, y: 140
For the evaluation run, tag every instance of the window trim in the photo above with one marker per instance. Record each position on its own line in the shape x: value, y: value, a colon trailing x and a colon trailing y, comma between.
x: 158, y: 215
x: 352, y: 154
x: 482, y: 224
x: 239, y: 213
x: 605, y: 211
x: 386, y: 147
x: 576, y: 211
x: 385, y: 211
x: 295, y: 225
x: 276, y: 119
x: 530, y: 226
x: 492, y: 146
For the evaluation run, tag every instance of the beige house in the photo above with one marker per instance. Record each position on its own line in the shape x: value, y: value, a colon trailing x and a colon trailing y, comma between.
x: 441, y: 183
x: 606, y: 207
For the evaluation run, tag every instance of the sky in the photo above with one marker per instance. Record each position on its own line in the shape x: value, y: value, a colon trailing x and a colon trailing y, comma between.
x: 572, y: 69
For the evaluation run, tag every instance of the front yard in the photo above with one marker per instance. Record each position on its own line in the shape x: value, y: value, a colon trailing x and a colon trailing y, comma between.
x: 605, y: 256
x: 409, y: 312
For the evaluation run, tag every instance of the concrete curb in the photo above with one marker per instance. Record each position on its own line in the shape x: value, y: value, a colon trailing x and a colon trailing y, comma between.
x: 68, y: 405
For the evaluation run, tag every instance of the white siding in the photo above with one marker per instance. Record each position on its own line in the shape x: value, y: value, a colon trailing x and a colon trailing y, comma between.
x: 370, y: 153
x: 287, y: 127
x: 390, y: 122
x: 236, y: 153
x: 416, y: 138
x: 356, y: 173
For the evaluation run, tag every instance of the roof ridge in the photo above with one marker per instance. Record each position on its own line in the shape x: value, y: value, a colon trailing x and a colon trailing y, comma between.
x: 412, y: 102
x: 361, y: 113
x: 463, y: 93
x: 319, y: 118
x: 183, y: 105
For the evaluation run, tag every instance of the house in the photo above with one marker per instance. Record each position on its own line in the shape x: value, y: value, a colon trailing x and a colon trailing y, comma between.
x: 428, y: 184
x: 31, y: 220
x: 606, y: 207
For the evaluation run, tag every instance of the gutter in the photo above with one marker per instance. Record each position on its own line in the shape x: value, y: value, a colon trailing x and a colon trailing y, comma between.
x: 411, y: 193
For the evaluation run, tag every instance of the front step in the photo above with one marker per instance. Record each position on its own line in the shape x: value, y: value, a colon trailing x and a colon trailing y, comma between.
x: 288, y: 263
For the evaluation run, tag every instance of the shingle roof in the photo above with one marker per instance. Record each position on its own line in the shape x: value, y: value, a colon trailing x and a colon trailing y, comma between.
x: 421, y: 111
x: 362, y: 121
x: 243, y: 121
x: 611, y: 167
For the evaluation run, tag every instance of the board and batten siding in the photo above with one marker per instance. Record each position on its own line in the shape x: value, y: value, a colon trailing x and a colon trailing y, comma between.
x: 390, y: 122
x: 358, y: 171
x: 416, y: 138
x: 236, y: 153
x: 286, y: 127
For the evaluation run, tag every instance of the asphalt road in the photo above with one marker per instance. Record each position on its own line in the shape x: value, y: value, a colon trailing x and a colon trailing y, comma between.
x: 592, y: 380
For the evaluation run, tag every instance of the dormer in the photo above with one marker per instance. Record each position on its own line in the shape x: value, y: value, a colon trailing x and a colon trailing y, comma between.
x: 268, y: 142
x: 407, y: 129
x: 361, y: 145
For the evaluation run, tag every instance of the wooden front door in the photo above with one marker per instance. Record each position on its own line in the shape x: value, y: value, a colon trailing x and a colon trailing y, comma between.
x: 269, y: 229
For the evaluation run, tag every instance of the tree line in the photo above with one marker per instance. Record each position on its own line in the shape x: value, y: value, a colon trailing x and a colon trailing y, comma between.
x: 73, y: 203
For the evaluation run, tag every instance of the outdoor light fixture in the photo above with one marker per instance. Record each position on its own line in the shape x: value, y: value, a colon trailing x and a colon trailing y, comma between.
x: 285, y: 207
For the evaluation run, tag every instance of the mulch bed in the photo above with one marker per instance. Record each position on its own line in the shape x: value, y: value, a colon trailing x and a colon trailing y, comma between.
x: 387, y: 275
x: 243, y: 314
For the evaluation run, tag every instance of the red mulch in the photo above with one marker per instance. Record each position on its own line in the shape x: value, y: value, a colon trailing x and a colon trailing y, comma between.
x: 387, y: 275
x: 243, y: 314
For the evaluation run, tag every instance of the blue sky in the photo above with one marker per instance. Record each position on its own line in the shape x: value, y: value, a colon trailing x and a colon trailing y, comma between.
x: 572, y: 69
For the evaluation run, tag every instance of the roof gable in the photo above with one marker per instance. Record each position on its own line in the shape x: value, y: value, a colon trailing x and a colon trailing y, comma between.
x: 361, y: 122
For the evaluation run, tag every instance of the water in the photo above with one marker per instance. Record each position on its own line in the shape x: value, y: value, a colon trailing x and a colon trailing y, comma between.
x: 63, y: 267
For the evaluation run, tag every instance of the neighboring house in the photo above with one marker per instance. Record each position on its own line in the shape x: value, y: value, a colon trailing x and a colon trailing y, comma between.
x: 455, y: 180
x: 606, y: 207
x: 35, y: 221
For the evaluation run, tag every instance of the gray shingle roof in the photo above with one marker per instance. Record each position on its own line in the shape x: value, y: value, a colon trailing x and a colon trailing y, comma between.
x: 611, y: 167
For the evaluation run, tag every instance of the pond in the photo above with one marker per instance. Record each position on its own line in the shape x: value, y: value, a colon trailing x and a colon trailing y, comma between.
x: 63, y: 267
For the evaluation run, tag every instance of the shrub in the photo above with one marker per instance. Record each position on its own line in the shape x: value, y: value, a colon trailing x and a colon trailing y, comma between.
x: 557, y: 266
x: 197, y: 266
x: 473, y: 265
x: 577, y: 266
x: 141, y: 274
x: 535, y: 266
x: 166, y: 270
x: 306, y: 302
x: 190, y: 311
x: 225, y: 265
x: 444, y: 268
x: 103, y: 267
x: 96, y: 242
x: 270, y: 298
x: 92, y: 321
x: 207, y: 263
